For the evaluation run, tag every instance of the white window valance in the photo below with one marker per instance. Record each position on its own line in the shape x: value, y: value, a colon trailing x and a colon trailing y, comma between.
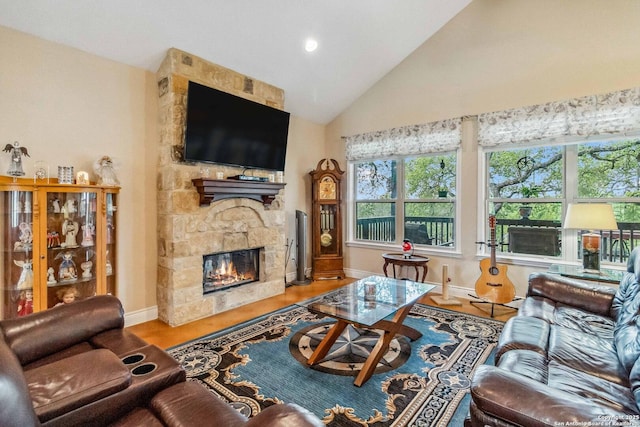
x: 440, y: 136
x: 615, y: 113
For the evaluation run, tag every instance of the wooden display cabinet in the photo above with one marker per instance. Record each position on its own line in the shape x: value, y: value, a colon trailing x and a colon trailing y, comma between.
x: 54, y: 238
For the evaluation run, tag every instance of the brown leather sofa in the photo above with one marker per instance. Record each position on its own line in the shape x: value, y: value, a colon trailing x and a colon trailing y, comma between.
x: 570, y: 357
x: 75, y: 365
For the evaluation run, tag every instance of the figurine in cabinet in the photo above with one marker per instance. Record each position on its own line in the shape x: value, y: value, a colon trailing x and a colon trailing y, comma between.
x: 70, y: 231
x: 67, y: 295
x: 25, y: 302
x: 55, y: 205
x: 88, y: 230
x: 51, y: 276
x: 25, y: 281
x: 53, y: 239
x: 69, y: 208
x: 25, y: 240
x: 86, y: 269
x: 67, y: 271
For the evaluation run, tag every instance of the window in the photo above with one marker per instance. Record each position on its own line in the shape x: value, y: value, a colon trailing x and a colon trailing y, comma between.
x: 412, y: 197
x: 528, y: 189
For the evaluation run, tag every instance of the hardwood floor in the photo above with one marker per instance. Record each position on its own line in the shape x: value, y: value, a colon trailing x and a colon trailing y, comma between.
x: 165, y: 336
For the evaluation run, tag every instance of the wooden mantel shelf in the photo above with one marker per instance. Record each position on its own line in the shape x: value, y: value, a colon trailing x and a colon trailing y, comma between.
x: 218, y: 189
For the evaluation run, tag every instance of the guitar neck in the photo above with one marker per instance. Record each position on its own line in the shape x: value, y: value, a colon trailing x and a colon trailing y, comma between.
x: 492, y: 245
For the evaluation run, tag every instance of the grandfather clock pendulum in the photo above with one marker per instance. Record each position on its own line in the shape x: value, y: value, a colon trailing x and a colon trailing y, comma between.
x: 326, y: 220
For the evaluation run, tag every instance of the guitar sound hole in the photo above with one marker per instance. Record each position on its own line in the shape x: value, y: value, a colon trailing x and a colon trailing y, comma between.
x: 494, y: 271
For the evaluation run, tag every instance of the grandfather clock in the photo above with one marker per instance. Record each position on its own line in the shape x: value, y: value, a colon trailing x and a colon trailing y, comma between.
x: 326, y: 220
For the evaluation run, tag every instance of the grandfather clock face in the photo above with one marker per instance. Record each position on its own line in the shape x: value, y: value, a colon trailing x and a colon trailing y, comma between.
x: 327, y: 189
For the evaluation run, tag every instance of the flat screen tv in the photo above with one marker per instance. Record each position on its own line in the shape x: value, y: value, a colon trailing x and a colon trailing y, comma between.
x: 227, y: 129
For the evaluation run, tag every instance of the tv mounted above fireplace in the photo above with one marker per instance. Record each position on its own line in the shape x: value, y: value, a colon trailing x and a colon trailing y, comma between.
x: 227, y: 129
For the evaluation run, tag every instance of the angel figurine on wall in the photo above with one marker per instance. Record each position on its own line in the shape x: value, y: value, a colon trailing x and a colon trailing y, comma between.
x: 105, y: 169
x: 17, y: 152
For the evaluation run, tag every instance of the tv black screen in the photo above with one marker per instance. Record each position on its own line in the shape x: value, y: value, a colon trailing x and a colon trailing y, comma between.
x: 227, y: 129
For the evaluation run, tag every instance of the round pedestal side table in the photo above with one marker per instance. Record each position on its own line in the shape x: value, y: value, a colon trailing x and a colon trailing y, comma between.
x: 415, y: 261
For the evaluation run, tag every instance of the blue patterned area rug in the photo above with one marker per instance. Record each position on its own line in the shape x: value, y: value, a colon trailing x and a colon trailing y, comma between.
x: 422, y: 383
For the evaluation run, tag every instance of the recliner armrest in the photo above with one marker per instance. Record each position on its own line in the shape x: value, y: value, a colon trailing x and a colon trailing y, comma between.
x: 593, y: 298
x: 68, y: 384
x: 523, y: 401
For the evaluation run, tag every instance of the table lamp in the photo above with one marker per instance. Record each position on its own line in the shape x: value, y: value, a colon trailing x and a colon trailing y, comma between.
x: 590, y: 216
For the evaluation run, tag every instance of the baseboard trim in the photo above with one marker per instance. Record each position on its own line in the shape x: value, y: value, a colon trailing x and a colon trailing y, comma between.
x: 141, y: 316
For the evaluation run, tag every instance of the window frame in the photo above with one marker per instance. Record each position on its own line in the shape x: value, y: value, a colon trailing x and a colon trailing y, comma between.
x: 570, y: 243
x: 400, y: 201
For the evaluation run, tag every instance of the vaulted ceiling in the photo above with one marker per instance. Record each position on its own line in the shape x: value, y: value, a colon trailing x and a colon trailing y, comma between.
x: 359, y: 41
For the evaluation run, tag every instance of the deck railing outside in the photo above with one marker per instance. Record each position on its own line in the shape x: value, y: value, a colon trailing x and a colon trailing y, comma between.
x: 439, y: 231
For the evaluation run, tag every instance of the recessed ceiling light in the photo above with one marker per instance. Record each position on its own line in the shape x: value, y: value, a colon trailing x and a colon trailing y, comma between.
x: 310, y: 45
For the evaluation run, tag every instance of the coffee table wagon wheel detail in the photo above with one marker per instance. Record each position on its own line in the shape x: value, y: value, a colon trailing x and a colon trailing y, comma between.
x: 375, y: 302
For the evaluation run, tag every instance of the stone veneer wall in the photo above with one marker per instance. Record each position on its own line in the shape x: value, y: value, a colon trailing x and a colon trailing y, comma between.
x: 187, y: 231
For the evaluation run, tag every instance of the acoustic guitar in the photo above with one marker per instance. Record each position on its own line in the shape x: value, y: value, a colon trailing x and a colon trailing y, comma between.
x: 493, y: 285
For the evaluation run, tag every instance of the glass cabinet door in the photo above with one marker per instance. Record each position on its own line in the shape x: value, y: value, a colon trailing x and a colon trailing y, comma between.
x: 16, y: 254
x: 71, y: 246
x: 110, y: 241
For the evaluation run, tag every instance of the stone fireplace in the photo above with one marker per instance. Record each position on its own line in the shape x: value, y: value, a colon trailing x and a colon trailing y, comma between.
x: 189, y: 230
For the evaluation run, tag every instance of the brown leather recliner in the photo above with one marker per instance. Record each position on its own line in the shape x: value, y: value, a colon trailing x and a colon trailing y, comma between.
x: 76, y: 365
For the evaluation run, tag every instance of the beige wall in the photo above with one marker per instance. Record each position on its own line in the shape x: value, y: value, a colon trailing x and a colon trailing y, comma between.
x: 304, y: 150
x: 69, y: 107
x: 495, y: 55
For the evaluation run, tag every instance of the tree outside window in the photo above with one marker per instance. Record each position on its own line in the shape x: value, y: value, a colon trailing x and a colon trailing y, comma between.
x: 529, y: 189
x: 410, y: 198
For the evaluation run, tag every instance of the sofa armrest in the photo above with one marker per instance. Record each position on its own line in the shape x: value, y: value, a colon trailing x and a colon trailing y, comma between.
x: 285, y: 415
x: 523, y: 401
x: 46, y: 332
x: 593, y: 298
x: 16, y: 409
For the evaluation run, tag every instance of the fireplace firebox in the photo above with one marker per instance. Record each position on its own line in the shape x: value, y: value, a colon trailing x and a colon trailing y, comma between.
x: 223, y: 270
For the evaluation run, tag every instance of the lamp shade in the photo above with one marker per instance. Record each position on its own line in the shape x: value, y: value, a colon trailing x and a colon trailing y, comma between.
x: 590, y: 216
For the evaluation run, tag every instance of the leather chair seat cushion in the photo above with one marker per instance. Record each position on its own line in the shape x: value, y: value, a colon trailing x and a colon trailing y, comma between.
x: 589, y: 323
x: 528, y: 363
x: 76, y: 381
x: 596, y: 390
x: 586, y: 353
x: 528, y: 333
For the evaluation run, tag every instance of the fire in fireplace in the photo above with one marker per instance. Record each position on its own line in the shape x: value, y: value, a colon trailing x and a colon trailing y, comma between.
x: 224, y: 270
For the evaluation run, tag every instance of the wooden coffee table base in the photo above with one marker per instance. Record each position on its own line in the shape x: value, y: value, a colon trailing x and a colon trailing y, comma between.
x: 390, y: 328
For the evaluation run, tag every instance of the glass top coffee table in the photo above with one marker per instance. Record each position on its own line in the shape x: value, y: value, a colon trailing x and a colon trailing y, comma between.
x: 375, y: 302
